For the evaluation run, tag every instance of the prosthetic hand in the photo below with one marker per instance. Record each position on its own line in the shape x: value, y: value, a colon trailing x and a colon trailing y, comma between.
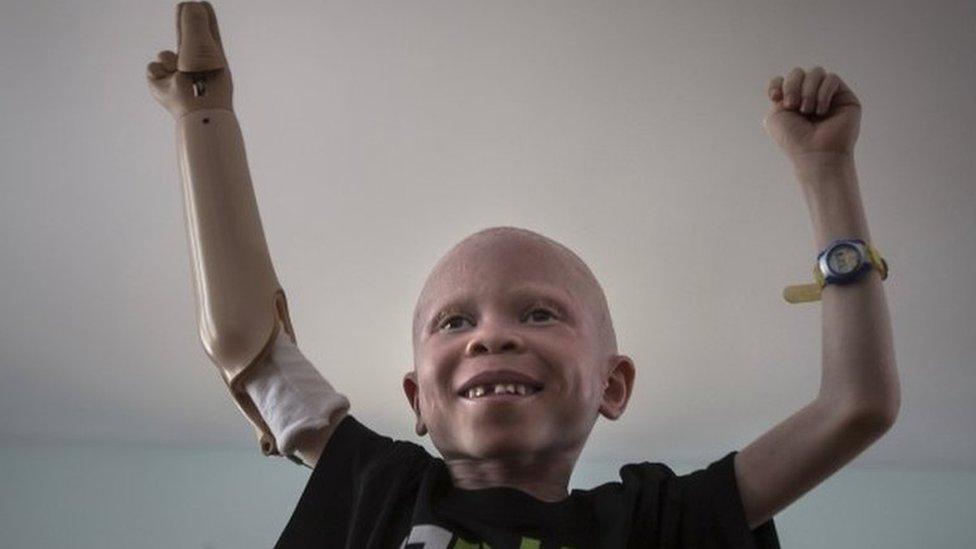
x: 197, y: 78
x: 241, y: 307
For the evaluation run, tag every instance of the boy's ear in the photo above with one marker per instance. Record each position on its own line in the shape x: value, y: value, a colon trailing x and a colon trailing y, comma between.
x: 618, y: 387
x: 410, y: 388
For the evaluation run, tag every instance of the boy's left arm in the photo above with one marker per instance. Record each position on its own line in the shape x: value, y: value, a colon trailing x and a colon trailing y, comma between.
x: 859, y: 393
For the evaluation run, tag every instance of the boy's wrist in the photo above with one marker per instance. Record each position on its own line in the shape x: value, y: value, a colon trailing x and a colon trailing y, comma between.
x: 830, y: 186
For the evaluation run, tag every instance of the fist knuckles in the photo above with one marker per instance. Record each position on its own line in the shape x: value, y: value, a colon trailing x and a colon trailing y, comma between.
x: 808, y: 91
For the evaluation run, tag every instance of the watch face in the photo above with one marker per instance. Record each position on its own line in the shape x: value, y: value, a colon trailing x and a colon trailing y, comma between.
x: 844, y: 259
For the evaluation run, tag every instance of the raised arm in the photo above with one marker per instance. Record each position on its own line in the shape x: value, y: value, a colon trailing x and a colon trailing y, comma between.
x: 240, y: 305
x: 817, y: 126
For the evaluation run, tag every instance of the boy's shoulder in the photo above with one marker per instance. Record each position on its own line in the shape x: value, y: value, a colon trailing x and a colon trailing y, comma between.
x: 354, y: 446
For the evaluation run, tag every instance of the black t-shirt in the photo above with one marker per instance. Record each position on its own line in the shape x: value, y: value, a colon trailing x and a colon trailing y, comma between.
x: 370, y: 491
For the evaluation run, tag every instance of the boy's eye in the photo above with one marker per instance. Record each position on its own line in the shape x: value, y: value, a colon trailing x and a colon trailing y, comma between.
x: 450, y: 319
x: 545, y: 312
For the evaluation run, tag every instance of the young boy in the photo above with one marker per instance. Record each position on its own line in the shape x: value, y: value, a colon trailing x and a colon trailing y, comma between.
x: 515, y: 357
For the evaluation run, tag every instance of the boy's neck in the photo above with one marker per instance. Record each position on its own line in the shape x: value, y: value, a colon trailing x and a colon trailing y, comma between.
x: 544, y: 480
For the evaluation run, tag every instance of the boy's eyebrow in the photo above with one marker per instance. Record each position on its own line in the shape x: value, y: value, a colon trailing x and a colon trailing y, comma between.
x: 558, y: 296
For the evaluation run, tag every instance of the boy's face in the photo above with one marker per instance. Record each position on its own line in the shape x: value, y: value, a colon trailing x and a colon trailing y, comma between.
x: 510, y: 303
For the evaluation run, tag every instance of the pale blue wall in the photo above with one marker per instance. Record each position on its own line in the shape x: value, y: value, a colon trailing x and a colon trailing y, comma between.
x: 125, y: 496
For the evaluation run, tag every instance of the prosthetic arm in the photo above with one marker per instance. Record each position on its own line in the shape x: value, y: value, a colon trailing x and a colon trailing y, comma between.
x: 240, y: 304
x: 241, y: 307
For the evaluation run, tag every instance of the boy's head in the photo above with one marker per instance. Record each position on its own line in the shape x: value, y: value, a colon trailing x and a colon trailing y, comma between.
x: 509, y: 298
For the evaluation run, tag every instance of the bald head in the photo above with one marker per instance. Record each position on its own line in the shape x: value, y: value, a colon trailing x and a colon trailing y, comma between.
x: 523, y: 241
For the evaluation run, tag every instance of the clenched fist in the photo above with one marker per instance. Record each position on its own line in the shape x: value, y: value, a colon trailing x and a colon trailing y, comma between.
x: 814, y: 114
x: 197, y: 77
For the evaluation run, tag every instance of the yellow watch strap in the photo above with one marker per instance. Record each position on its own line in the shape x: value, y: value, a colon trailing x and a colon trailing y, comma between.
x: 802, y: 293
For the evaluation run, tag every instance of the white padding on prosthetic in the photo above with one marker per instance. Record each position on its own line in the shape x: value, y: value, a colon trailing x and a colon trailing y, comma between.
x: 291, y: 394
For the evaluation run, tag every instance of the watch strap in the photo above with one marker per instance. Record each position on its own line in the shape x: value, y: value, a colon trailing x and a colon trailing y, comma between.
x: 802, y: 293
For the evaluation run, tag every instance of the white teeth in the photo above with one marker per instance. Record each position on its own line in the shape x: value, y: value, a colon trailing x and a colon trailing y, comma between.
x: 500, y: 389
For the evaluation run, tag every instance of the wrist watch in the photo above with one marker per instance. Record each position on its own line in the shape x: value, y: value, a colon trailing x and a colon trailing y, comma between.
x: 843, y: 261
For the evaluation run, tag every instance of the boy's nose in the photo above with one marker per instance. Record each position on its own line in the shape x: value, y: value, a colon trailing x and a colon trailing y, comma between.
x: 497, y: 340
